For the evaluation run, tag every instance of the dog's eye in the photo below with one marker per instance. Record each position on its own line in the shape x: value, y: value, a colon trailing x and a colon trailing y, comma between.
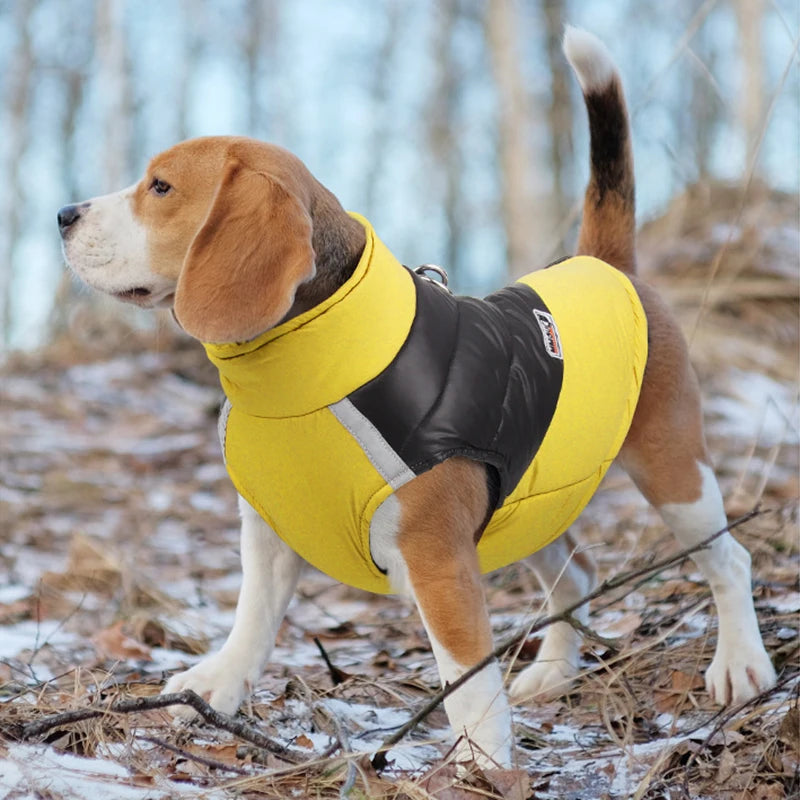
x: 160, y: 187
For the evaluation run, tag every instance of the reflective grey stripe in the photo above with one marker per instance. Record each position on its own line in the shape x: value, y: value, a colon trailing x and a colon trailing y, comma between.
x: 222, y: 425
x: 391, y: 467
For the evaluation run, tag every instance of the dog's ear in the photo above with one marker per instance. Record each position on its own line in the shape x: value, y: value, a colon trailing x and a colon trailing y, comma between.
x: 252, y: 252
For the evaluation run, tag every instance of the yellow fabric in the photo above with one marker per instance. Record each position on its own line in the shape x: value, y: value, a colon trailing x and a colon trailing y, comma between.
x: 598, y: 397
x: 307, y: 476
x: 311, y: 360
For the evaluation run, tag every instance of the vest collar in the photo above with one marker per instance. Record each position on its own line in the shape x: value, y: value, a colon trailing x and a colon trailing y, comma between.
x: 324, y: 354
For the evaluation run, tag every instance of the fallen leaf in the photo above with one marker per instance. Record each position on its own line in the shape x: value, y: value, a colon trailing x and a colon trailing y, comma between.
x: 113, y: 643
x: 686, y: 681
x: 303, y: 741
x: 789, y: 730
x: 512, y: 784
x: 614, y: 624
x: 727, y: 766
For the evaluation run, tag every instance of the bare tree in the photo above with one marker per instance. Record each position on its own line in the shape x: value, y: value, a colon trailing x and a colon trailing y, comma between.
x: 74, y: 74
x: 442, y: 133
x: 516, y: 162
x: 750, y: 15
x: 260, y: 48
x: 559, y: 112
x: 114, y: 87
x: 15, y: 133
x: 380, y: 90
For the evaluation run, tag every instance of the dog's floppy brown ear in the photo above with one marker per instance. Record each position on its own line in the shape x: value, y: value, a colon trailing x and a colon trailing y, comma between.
x: 246, y: 261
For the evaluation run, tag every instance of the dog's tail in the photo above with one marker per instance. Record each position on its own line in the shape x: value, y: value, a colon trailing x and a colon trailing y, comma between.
x: 608, y: 230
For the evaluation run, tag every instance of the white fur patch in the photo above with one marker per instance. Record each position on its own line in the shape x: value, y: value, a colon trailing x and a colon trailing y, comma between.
x: 270, y: 571
x: 741, y: 667
x: 589, y: 57
x: 107, y: 248
x: 478, y: 710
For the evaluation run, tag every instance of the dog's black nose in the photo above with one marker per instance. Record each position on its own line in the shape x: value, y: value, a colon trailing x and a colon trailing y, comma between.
x: 67, y: 216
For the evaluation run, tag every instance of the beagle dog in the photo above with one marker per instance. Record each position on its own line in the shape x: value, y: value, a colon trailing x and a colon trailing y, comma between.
x: 317, y: 329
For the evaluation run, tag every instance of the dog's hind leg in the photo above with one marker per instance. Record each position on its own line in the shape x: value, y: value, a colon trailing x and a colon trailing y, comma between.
x: 665, y: 454
x: 428, y: 546
x: 566, y: 574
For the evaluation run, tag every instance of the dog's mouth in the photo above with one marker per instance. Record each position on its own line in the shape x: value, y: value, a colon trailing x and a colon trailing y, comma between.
x: 145, y: 298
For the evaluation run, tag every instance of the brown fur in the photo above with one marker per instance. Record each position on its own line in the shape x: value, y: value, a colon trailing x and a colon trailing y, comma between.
x: 442, y: 512
x: 245, y: 230
x: 244, y: 265
x: 608, y: 229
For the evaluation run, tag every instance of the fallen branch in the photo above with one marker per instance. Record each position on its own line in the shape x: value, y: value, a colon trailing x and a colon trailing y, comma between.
x: 226, y: 722
x: 379, y: 759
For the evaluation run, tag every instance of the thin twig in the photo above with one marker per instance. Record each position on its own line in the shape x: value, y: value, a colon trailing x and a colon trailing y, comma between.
x: 337, y: 676
x: 206, y: 762
x: 379, y: 759
x: 187, y: 697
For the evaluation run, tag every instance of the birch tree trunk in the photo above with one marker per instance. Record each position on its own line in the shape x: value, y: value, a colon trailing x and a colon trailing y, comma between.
x: 516, y: 162
x: 260, y: 54
x: 379, y: 91
x: 15, y: 137
x: 442, y: 138
x: 114, y: 88
x: 559, y: 112
x: 750, y: 15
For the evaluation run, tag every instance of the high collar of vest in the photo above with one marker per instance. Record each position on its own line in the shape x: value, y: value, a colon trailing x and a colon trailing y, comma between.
x: 323, y: 355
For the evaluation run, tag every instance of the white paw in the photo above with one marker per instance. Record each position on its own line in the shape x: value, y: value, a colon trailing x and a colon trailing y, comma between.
x: 544, y: 680
x: 216, y: 680
x: 739, y: 673
x: 467, y: 753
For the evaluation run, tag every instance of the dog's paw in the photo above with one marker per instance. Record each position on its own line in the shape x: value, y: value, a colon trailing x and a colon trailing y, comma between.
x: 467, y: 755
x: 216, y: 680
x: 544, y: 680
x: 739, y: 673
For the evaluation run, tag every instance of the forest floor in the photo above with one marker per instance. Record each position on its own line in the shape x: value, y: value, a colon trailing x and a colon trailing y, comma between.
x: 119, y: 566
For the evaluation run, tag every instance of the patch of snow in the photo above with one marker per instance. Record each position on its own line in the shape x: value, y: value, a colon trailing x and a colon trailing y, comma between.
x: 788, y: 603
x: 369, y: 726
x: 208, y: 473
x: 42, y: 771
x: 29, y: 634
x: 206, y: 501
x: 761, y: 408
x: 12, y: 592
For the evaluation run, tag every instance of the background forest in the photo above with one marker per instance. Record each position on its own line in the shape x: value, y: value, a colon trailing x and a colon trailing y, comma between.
x: 452, y: 124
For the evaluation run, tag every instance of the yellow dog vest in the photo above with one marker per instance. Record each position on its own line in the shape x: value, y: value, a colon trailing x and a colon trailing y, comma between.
x: 316, y: 468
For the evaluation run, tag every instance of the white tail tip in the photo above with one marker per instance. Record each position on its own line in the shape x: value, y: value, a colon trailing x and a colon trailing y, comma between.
x: 590, y: 59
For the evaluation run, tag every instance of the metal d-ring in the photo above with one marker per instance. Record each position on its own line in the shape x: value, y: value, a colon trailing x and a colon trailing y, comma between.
x: 436, y: 270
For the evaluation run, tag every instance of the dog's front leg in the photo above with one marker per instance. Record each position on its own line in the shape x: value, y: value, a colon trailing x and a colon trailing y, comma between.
x: 270, y: 569
x: 425, y: 537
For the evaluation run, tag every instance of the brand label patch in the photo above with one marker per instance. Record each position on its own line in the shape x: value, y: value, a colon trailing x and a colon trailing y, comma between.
x: 552, y: 341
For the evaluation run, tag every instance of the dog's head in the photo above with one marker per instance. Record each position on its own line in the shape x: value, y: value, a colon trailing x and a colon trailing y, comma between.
x: 218, y: 227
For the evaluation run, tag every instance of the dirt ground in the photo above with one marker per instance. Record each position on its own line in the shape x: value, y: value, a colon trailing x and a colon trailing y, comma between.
x: 119, y: 565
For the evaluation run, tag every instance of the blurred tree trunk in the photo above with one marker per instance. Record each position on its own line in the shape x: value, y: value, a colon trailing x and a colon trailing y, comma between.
x: 559, y: 113
x: 191, y: 12
x: 382, y: 78
x: 260, y: 49
x: 705, y: 104
x: 442, y: 134
x: 15, y: 124
x: 74, y: 86
x: 750, y: 16
x: 516, y: 163
x: 114, y: 87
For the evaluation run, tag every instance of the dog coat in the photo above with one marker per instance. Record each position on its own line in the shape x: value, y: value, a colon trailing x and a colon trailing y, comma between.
x: 332, y: 411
